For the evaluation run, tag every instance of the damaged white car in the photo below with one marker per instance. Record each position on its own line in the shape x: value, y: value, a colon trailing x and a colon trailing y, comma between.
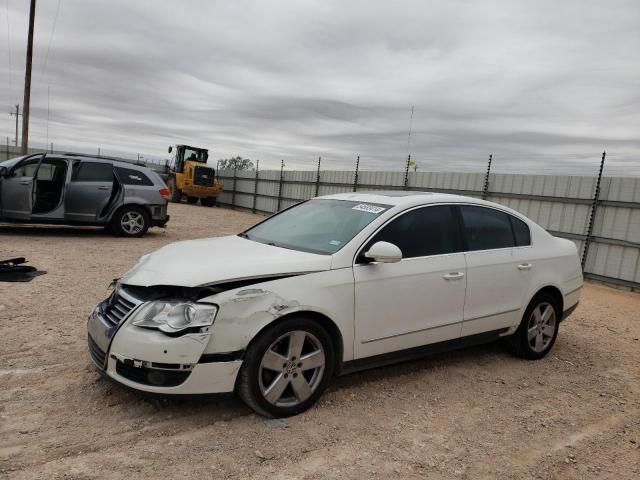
x: 332, y: 285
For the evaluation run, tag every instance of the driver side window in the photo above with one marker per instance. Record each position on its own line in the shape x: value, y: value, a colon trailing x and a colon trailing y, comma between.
x: 27, y: 169
x: 422, y: 232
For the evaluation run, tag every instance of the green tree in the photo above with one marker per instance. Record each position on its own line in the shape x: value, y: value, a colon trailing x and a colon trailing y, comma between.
x: 238, y: 163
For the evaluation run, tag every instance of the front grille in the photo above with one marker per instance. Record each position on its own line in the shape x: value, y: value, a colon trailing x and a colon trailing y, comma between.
x: 117, y: 308
x: 151, y: 376
x: 203, y: 176
x: 97, y: 355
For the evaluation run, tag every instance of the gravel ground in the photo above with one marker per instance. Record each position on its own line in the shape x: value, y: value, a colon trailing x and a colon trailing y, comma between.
x: 477, y: 413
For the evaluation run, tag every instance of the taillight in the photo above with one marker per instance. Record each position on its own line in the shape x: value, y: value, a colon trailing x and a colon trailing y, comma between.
x: 165, y: 193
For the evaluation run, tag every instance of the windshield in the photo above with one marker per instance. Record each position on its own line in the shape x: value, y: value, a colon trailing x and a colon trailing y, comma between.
x: 317, y: 226
x: 12, y: 161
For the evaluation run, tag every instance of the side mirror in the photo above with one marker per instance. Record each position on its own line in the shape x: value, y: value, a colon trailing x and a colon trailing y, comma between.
x: 170, y: 149
x: 384, y: 252
x: 4, y: 172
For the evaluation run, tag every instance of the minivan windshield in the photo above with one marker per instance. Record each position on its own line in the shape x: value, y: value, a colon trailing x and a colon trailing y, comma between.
x: 318, y: 226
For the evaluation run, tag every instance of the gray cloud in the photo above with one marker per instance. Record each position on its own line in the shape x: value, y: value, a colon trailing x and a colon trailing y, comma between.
x: 544, y: 86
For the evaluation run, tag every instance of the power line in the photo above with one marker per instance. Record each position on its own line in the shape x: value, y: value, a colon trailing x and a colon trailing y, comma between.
x: 53, y: 31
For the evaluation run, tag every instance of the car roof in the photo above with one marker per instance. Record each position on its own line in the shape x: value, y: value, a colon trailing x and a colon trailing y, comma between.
x: 403, y: 197
x: 120, y: 162
x: 410, y: 198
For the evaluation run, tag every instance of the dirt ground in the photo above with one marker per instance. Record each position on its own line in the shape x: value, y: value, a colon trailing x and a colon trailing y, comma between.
x: 477, y: 413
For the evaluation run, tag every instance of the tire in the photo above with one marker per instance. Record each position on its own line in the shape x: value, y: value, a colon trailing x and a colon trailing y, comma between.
x: 538, y: 328
x: 175, y: 195
x: 209, y: 201
x: 131, y: 221
x: 293, y: 388
x: 192, y: 200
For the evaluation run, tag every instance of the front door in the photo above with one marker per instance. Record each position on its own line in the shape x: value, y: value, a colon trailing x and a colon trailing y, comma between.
x: 17, y: 190
x: 418, y: 300
x: 89, y: 191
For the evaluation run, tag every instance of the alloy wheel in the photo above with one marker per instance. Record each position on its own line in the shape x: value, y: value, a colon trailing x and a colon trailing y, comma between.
x: 291, y: 369
x: 541, y: 327
x: 132, y: 223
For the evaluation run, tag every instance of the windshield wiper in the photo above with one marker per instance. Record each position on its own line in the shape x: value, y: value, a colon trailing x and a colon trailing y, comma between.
x: 244, y: 235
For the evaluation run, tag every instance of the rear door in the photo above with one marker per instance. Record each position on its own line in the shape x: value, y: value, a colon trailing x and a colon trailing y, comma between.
x: 89, y: 191
x: 496, y: 281
x: 17, y: 191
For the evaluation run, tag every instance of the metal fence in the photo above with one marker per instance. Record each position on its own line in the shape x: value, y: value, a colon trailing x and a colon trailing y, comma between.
x: 600, y: 214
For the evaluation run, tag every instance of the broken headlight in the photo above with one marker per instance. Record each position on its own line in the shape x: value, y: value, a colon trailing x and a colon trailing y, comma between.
x: 175, y: 316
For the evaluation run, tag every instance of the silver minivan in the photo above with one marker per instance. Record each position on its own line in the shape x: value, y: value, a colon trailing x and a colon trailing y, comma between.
x: 74, y: 189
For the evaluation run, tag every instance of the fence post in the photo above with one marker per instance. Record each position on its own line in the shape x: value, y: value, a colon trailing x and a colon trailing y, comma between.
x: 406, y: 172
x: 355, y: 177
x: 485, y: 190
x: 233, y: 193
x: 255, y: 187
x: 592, y: 215
x: 318, y: 178
x: 280, y: 185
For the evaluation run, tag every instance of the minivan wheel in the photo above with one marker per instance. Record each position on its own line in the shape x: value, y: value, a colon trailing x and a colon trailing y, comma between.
x: 192, y: 200
x: 131, y: 221
x: 208, y: 201
x: 538, y: 329
x: 286, y: 369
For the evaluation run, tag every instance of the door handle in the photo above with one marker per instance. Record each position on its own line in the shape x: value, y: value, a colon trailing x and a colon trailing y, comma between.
x: 453, y: 276
x: 524, y: 266
x: 25, y: 182
x: 104, y: 188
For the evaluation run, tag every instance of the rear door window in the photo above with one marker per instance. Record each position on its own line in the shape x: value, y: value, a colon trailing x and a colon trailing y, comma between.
x: 520, y: 232
x: 92, y: 172
x: 421, y: 232
x: 129, y: 176
x: 486, y: 228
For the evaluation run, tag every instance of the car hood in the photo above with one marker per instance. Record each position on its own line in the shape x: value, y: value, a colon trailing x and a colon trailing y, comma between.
x: 209, y: 261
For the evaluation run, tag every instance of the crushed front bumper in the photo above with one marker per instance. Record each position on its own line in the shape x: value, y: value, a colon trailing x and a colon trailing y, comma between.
x: 152, y: 362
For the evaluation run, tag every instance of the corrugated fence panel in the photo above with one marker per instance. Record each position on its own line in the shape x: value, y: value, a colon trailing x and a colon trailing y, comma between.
x: 618, y: 223
x: 621, y: 189
x: 380, y: 180
x: 614, y: 261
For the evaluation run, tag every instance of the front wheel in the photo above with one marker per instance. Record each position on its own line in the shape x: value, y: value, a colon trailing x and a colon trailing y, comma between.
x: 286, y: 369
x: 208, y: 201
x: 131, y: 221
x: 192, y: 200
x: 538, y: 329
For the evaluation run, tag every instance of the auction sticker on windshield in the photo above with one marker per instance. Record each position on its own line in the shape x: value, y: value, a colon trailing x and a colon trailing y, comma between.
x: 365, y: 207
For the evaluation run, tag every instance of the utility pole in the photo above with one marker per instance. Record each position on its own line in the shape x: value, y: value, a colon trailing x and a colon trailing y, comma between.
x: 27, y: 81
x: 48, y: 105
x: 17, y: 114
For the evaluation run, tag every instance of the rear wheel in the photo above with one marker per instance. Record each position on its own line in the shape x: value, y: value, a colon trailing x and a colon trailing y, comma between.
x: 131, y: 221
x: 538, y: 329
x: 208, y: 201
x: 192, y: 200
x: 287, y: 368
x: 175, y: 195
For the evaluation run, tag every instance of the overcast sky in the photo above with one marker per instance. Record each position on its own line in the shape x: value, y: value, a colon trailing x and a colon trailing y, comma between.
x: 544, y: 86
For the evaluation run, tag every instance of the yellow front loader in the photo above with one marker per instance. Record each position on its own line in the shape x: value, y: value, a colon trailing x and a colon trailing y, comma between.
x: 191, y: 176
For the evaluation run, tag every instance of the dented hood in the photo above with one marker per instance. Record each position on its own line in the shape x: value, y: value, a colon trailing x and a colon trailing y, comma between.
x: 209, y: 261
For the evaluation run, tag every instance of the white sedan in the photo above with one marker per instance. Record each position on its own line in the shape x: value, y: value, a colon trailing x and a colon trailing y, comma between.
x: 333, y: 285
